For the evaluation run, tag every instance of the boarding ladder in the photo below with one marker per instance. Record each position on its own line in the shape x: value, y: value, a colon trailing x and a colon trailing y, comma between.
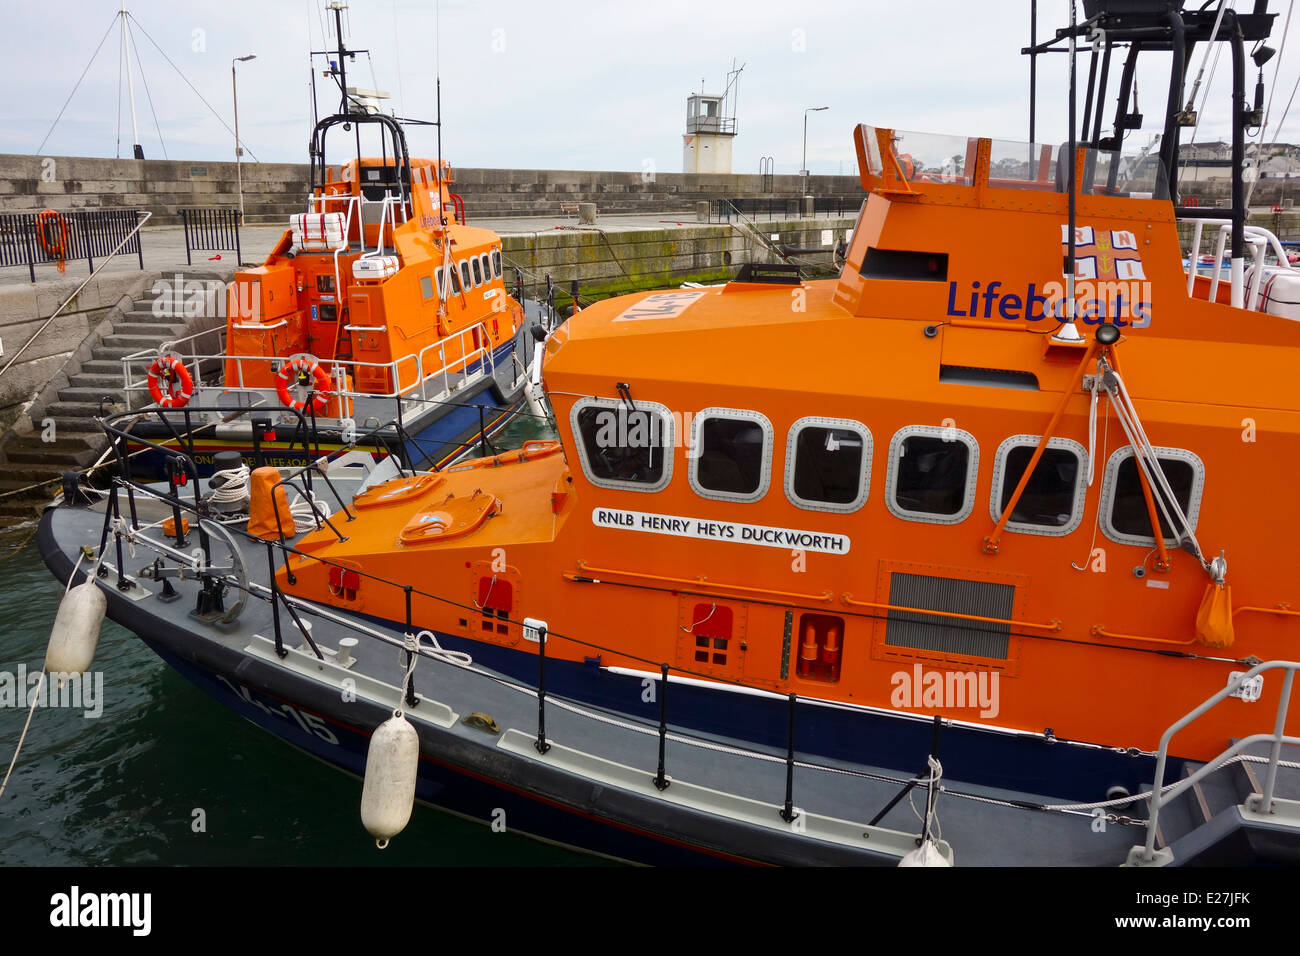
x: 1262, y: 806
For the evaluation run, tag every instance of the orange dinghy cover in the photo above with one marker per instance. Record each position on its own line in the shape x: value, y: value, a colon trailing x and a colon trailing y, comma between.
x: 261, y: 510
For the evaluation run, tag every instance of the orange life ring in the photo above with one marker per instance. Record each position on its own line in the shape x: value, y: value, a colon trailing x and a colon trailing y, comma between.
x: 52, y: 235
x: 303, y: 371
x: 172, y: 371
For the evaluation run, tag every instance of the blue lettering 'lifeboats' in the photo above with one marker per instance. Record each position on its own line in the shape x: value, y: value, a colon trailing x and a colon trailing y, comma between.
x: 1118, y: 302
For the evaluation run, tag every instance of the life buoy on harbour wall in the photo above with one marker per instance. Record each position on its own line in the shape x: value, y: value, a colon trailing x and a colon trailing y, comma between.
x: 52, y: 236
x: 170, y: 382
x: 303, y: 371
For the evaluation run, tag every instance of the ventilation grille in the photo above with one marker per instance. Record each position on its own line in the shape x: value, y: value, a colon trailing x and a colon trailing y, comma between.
x: 947, y: 635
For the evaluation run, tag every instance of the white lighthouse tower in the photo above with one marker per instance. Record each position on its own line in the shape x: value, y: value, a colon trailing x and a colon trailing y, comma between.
x: 710, y: 128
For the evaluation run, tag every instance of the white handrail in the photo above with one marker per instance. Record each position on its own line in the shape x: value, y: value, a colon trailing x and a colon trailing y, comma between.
x: 483, y: 353
x: 1260, y: 240
x: 1160, y: 796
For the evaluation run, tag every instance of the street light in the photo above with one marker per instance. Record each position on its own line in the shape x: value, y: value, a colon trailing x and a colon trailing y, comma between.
x: 804, y: 169
x: 239, y: 152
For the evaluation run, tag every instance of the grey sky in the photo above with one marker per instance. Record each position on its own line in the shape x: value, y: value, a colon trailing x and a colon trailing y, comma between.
x: 563, y: 84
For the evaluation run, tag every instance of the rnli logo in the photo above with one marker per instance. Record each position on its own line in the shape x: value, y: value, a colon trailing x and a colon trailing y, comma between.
x: 1110, y: 286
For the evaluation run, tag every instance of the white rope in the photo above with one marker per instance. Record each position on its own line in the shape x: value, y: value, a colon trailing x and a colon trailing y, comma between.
x: 40, y: 686
x: 234, y: 488
x: 305, y: 511
x: 1146, y: 459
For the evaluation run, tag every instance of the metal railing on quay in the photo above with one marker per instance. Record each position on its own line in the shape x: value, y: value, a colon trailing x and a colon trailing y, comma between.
x: 49, y: 236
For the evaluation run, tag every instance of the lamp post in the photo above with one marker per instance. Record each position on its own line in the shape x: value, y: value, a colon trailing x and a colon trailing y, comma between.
x: 239, y: 152
x: 804, y: 169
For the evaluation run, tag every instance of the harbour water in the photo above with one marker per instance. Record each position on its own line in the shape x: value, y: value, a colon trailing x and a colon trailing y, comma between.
x: 165, y: 775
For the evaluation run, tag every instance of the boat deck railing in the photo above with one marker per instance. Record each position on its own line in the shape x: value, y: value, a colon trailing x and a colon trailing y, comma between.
x: 288, y: 611
x: 428, y: 375
x: 1244, y: 293
x: 1161, y: 796
x: 123, y: 527
x: 354, y: 209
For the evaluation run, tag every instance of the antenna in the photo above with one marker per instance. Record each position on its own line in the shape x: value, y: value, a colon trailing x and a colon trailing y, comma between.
x: 130, y: 84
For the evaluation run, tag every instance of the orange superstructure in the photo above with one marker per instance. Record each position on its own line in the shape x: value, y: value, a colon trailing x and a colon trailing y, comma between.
x: 1072, y: 601
x: 381, y: 281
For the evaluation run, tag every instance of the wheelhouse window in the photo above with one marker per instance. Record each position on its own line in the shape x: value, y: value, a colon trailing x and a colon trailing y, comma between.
x: 624, y: 446
x: 455, y: 279
x: 478, y: 271
x: 1052, y: 502
x: 496, y: 263
x: 828, y: 464
x: 426, y: 287
x: 932, y: 474
x: 487, y: 267
x: 464, y: 275
x: 731, y: 454
x: 1125, y: 518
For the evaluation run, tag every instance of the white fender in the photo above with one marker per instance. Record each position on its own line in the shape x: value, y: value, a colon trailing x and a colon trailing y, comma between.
x: 388, y: 793
x: 76, y: 630
x: 927, y: 854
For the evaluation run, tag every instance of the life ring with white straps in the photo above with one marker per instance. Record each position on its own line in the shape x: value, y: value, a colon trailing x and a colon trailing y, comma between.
x: 170, y: 383
x: 303, y: 371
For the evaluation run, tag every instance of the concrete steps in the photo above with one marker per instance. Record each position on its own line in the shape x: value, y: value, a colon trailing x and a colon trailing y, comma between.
x: 93, y: 389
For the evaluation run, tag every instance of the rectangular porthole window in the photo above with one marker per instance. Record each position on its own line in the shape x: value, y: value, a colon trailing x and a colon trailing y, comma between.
x: 828, y: 464
x: 1052, y: 502
x: 426, y: 287
x: 496, y: 263
x: 441, y: 277
x: 478, y: 271
x: 487, y: 267
x: 455, y: 279
x: 624, y: 447
x: 464, y: 275
x: 1124, y: 507
x: 932, y: 474
x: 730, y: 454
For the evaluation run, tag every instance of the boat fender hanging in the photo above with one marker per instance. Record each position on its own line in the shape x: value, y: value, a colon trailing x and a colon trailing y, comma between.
x: 388, y: 793
x: 76, y: 630
x: 927, y: 854
x: 1214, y: 617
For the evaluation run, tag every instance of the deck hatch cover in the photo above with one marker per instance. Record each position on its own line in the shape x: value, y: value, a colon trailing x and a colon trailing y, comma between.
x: 948, y: 635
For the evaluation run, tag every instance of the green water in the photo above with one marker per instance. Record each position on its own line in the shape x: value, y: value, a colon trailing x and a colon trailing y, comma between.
x: 123, y: 788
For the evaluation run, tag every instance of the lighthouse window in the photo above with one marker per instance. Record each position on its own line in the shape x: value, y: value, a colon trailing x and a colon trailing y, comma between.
x: 478, y: 271
x: 624, y: 446
x: 1125, y: 518
x: 932, y: 474
x: 730, y: 454
x: 464, y: 275
x: 828, y: 464
x: 1052, y: 502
